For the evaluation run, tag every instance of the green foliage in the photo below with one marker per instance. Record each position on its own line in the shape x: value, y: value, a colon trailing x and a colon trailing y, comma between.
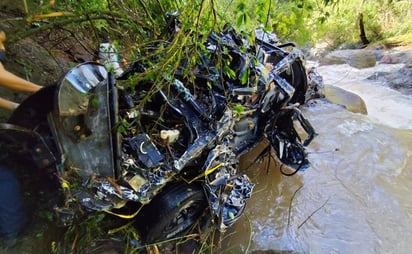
x: 239, y: 109
x: 286, y: 18
x: 138, y: 23
x: 81, y: 234
x: 82, y: 6
x: 337, y: 23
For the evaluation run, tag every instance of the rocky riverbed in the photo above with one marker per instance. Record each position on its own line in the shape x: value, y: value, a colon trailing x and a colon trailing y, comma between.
x: 396, y: 78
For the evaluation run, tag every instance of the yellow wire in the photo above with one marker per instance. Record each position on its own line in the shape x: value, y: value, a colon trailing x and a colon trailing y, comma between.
x: 131, y: 216
x: 124, y: 216
x: 207, y: 172
x: 124, y: 227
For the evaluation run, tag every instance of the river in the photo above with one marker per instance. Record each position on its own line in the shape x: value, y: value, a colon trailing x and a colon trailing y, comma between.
x: 355, y: 197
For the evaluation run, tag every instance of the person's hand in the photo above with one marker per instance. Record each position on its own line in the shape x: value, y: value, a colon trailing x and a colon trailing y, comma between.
x: 2, y: 40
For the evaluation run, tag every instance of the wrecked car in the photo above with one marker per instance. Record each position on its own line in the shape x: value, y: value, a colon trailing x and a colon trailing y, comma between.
x: 175, y: 156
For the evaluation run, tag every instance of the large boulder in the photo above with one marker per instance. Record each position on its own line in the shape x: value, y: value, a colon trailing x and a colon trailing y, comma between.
x: 358, y: 58
x: 349, y: 100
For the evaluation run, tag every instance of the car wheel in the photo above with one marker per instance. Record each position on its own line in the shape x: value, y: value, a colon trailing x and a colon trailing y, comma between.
x: 172, y: 213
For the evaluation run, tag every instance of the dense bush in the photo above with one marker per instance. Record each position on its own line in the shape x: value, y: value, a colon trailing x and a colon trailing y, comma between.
x: 303, y: 21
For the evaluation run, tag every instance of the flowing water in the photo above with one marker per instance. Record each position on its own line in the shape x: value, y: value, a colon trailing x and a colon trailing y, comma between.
x: 355, y: 197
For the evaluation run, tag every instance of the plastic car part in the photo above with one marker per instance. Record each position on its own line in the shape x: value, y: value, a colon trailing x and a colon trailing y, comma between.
x: 80, y: 121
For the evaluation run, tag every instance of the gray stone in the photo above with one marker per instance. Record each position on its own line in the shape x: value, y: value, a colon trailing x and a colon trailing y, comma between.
x: 400, y: 80
x: 395, y: 57
x: 358, y: 58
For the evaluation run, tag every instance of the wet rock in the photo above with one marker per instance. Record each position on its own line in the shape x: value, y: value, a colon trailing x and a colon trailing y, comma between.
x: 379, y: 53
x: 318, y: 51
x: 388, y: 59
x: 400, y: 80
x: 396, y: 57
x: 349, y: 100
x: 331, y: 59
x: 351, y: 45
x: 360, y: 59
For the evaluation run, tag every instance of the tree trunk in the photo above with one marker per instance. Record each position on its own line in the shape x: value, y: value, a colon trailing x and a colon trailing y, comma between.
x: 362, y: 34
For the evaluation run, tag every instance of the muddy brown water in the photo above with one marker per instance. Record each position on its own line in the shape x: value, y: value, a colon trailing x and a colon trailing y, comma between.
x: 355, y: 197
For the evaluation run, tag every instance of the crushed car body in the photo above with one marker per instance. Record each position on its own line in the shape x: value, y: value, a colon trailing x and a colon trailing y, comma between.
x: 175, y: 153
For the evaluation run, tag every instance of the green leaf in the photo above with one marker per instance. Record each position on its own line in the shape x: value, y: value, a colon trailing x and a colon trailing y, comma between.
x: 100, y: 217
x: 239, y: 109
x: 94, y: 102
x: 121, y: 129
x: 229, y: 72
x: 241, y: 7
x: 150, y: 75
x: 245, y: 77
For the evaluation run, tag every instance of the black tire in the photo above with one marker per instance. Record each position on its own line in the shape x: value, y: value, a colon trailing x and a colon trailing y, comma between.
x: 172, y: 213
